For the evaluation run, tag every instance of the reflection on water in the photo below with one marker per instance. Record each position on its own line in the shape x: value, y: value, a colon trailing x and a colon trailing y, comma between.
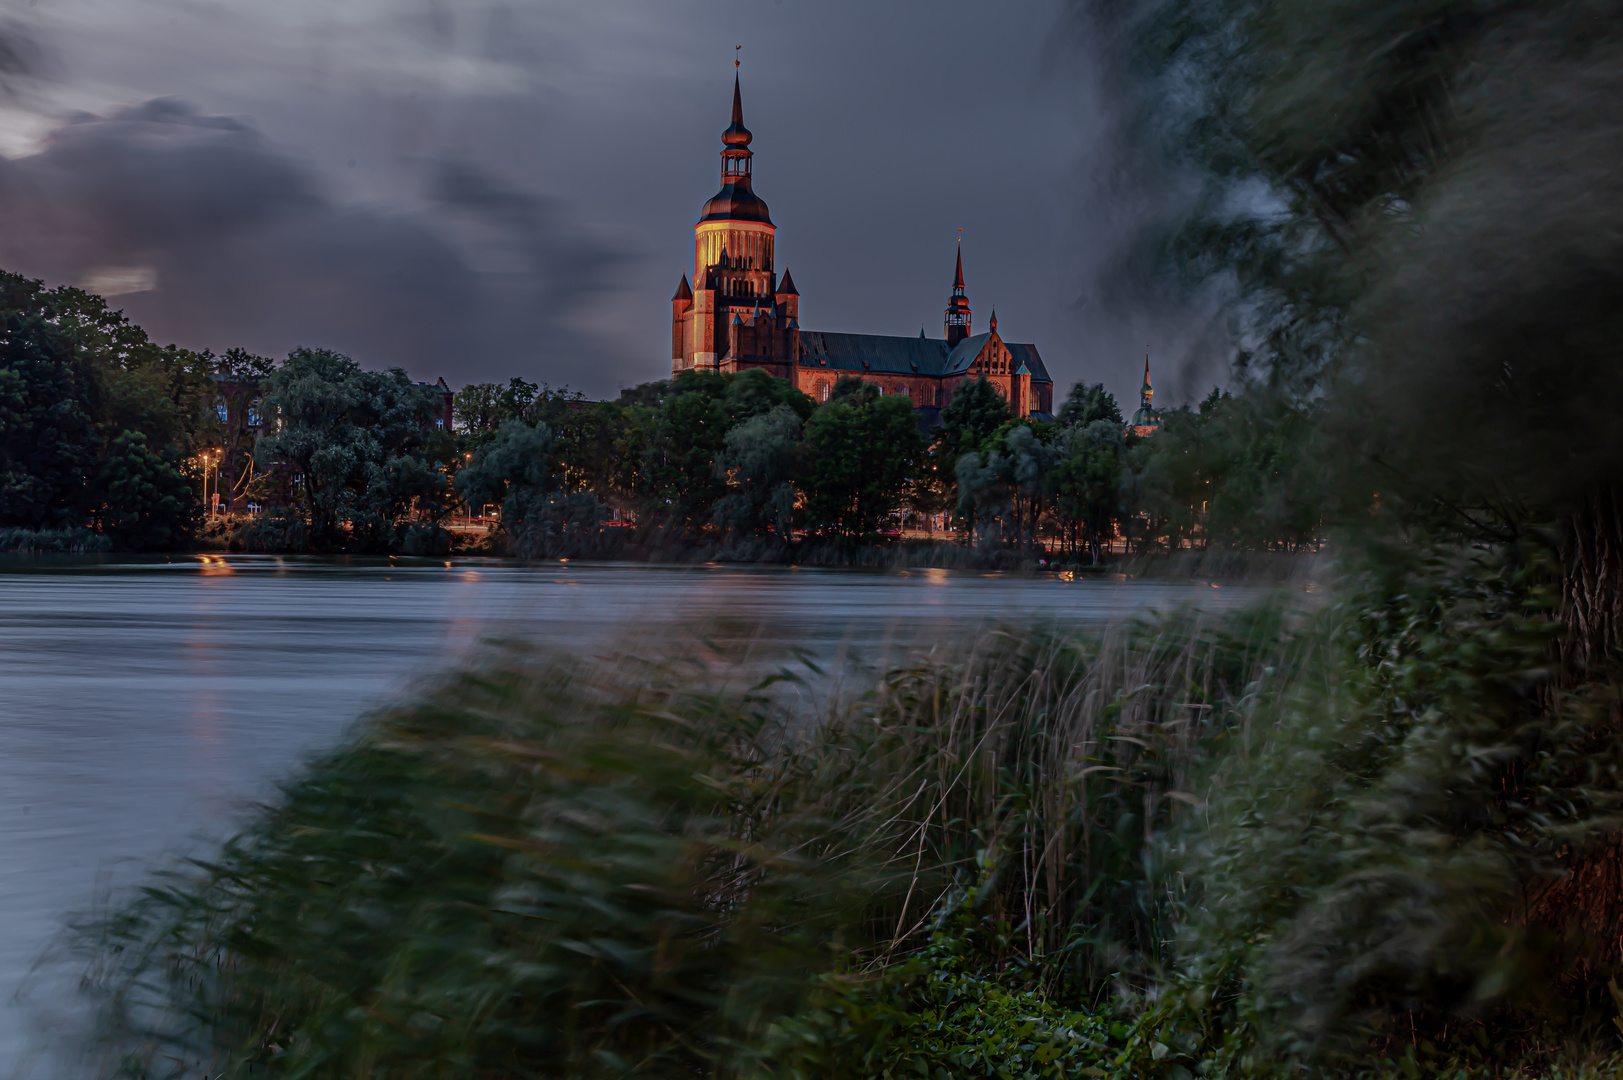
x: 144, y: 703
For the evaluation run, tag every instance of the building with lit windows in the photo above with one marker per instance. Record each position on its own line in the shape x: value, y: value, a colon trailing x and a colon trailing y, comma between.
x: 737, y: 314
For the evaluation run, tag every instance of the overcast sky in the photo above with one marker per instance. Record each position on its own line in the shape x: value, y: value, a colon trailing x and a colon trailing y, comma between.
x: 483, y: 188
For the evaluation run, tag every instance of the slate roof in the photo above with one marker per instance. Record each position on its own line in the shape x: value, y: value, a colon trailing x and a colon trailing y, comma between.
x: 879, y: 354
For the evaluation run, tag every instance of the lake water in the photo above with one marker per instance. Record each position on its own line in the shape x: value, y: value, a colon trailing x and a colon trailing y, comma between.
x: 145, y: 705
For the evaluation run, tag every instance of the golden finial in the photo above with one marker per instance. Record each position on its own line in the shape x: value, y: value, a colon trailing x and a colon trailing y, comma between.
x: 736, y: 50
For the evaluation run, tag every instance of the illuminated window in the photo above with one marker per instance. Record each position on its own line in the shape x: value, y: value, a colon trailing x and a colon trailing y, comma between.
x: 822, y: 391
x: 221, y: 409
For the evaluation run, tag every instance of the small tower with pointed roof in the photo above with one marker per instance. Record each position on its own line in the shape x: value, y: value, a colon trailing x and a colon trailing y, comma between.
x: 1146, y: 421
x: 957, y: 324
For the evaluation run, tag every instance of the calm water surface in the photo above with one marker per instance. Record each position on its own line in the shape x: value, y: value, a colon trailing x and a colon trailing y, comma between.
x: 144, y: 705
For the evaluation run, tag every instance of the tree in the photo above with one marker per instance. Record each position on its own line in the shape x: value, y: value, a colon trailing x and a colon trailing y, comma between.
x: 479, y: 409
x: 976, y: 411
x: 1086, y: 482
x: 1086, y: 404
x: 350, y: 438
x: 518, y: 468
x: 758, y: 464
x: 689, y: 433
x: 1420, y: 215
x: 1001, y: 487
x: 149, y: 504
x: 47, y: 438
x: 861, y: 451
x: 74, y: 379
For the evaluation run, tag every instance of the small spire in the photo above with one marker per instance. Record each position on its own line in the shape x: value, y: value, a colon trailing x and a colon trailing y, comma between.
x: 738, y: 101
x: 683, y: 292
x: 786, y: 287
x: 921, y: 333
x: 994, y: 320
x: 958, y: 275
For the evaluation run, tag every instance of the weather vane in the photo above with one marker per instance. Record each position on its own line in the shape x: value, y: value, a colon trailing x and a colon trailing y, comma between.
x: 736, y: 50
x: 960, y: 236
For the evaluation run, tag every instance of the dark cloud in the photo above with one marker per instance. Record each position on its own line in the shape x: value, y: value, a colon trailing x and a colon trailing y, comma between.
x: 242, y: 245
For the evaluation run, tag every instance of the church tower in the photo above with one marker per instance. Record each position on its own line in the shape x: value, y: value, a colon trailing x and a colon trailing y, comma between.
x: 737, y: 314
x: 1147, y: 420
x: 957, y: 316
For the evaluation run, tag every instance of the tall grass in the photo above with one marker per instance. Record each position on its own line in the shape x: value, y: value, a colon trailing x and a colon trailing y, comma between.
x: 1282, y: 838
x: 551, y: 867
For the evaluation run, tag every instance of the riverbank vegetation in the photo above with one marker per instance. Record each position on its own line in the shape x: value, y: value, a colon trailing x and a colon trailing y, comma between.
x: 156, y: 449
x: 1328, y: 836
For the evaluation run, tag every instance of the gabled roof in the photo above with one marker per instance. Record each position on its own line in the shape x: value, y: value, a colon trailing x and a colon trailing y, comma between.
x: 964, y: 354
x: 1027, y: 355
x: 880, y: 354
x: 874, y: 353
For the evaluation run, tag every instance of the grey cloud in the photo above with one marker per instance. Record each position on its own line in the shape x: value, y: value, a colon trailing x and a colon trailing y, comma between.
x: 248, y: 249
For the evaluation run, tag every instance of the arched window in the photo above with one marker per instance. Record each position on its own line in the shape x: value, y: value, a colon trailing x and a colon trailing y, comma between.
x: 822, y: 390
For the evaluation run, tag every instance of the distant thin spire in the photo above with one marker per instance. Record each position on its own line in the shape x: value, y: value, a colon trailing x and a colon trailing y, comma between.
x: 958, y: 276
x: 738, y: 101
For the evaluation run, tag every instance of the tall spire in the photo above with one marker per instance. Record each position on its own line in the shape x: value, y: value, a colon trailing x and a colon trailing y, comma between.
x: 957, y: 322
x: 735, y: 151
x: 1146, y: 420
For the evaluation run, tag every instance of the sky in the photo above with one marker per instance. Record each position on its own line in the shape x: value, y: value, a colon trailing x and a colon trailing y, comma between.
x: 478, y: 189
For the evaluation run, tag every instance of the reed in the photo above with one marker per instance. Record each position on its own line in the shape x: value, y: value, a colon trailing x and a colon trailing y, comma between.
x: 1236, y: 845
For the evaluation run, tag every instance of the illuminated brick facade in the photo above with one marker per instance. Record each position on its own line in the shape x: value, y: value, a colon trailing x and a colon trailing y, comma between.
x: 738, y: 314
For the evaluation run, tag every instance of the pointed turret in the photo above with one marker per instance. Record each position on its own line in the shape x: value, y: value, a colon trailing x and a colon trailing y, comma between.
x: 994, y: 321
x: 1146, y: 421
x: 786, y: 287
x: 957, y: 322
x: 683, y: 291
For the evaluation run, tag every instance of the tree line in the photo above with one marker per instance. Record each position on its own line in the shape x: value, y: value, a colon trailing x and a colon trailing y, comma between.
x: 110, y: 438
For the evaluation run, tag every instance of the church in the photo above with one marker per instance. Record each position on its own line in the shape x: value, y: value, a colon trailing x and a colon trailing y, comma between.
x: 739, y: 314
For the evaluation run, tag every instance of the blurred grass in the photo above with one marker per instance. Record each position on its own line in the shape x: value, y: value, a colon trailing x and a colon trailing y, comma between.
x: 1237, y: 845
